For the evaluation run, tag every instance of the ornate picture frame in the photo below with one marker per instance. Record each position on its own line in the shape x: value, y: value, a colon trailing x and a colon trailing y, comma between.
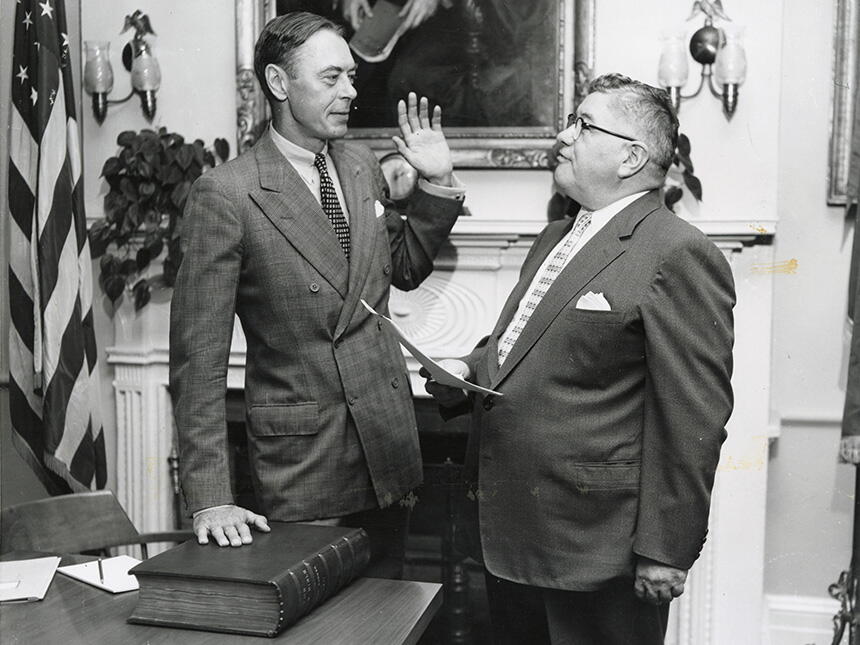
x: 572, y: 58
x: 844, y: 74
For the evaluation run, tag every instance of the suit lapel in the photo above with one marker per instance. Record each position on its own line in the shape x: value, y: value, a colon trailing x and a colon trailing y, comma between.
x: 356, y: 184
x: 598, y: 253
x: 289, y: 205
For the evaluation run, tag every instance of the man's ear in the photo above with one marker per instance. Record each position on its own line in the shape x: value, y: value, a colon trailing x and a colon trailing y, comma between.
x: 637, y: 158
x: 278, y: 81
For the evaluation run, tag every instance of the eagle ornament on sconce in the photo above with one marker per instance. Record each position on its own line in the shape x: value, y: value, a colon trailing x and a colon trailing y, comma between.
x: 717, y: 49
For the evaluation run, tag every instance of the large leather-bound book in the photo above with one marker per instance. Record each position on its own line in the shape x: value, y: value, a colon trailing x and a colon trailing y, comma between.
x: 259, y: 588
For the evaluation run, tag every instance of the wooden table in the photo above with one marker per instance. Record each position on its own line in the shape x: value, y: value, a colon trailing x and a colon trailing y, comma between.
x: 370, y: 611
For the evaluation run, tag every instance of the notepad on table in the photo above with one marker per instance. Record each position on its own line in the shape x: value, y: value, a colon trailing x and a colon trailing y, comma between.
x: 116, y: 577
x: 26, y: 579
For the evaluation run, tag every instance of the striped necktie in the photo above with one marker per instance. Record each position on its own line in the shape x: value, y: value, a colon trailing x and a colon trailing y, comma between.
x: 550, y: 272
x: 331, y: 205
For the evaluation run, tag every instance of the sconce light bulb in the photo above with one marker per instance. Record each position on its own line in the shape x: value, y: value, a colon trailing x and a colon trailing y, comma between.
x: 730, y: 99
x: 100, y: 106
x: 147, y: 104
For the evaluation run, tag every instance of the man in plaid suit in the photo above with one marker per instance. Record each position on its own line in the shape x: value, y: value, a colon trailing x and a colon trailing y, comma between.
x: 290, y: 237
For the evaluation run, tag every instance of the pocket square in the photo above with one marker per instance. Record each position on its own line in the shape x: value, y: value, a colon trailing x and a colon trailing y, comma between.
x: 380, y: 209
x: 593, y: 302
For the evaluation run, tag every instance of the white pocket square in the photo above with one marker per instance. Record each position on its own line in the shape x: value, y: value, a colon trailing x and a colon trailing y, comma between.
x: 380, y: 209
x: 593, y: 302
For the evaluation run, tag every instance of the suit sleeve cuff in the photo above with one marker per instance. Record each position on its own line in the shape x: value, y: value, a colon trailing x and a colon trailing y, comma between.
x: 457, y: 191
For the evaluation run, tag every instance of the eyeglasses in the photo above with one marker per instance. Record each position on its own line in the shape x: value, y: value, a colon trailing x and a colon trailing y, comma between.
x: 579, y: 124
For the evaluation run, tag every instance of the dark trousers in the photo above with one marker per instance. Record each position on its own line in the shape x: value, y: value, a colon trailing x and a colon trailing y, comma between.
x: 387, y: 529
x: 613, y: 615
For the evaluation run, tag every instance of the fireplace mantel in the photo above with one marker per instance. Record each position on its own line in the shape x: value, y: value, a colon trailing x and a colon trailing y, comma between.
x: 451, y: 310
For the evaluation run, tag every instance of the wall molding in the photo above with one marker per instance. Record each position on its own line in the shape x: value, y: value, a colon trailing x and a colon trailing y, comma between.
x: 810, y: 417
x: 790, y: 620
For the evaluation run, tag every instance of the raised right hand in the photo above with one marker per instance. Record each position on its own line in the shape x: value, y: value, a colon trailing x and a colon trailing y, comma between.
x: 228, y: 525
x: 354, y: 11
x: 445, y: 395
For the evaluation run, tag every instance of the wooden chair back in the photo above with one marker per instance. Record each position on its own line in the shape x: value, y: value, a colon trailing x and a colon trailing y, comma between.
x: 74, y: 524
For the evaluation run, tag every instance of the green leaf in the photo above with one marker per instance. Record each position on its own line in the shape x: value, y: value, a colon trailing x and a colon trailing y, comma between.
x: 142, y: 258
x: 126, y: 138
x: 128, y: 189
x: 222, y: 149
x: 114, y: 286
x: 672, y: 196
x: 155, y: 246
x: 127, y: 267
x: 111, y: 167
x: 692, y: 182
x: 184, y: 156
x: 683, y: 144
x: 180, y: 194
x: 141, y: 294
x: 146, y: 189
x: 97, y: 237
x: 686, y: 162
x: 109, y: 265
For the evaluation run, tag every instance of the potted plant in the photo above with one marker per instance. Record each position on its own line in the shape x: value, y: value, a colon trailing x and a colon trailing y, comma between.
x: 149, y: 180
x: 681, y: 174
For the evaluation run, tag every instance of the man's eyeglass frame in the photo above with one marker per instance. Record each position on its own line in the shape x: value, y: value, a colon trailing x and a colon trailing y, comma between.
x: 579, y: 124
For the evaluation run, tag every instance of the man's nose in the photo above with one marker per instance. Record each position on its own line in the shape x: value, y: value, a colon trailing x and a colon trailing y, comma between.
x: 348, y: 90
x: 565, y: 137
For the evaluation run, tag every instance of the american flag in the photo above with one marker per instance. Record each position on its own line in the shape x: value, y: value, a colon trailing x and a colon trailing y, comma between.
x: 53, y: 389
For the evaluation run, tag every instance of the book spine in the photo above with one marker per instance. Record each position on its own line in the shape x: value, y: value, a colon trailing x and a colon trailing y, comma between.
x: 319, y: 577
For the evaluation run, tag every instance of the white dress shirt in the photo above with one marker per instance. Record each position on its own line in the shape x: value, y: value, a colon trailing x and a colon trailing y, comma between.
x: 599, y: 219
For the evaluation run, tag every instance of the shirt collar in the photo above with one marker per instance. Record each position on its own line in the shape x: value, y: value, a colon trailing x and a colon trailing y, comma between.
x: 611, y: 210
x: 295, y: 154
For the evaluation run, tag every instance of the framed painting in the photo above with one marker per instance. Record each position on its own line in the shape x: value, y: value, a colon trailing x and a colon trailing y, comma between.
x: 845, y: 76
x: 505, y: 73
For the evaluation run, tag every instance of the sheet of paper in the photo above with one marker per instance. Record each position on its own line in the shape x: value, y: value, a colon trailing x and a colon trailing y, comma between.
x: 439, y: 373
x: 115, y: 570
x: 26, y: 579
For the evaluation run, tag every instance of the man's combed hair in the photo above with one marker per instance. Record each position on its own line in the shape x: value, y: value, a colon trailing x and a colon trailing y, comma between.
x: 651, y: 110
x: 280, y: 39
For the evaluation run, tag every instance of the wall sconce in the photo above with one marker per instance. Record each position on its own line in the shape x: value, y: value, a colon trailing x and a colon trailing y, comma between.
x: 137, y: 59
x: 718, y: 51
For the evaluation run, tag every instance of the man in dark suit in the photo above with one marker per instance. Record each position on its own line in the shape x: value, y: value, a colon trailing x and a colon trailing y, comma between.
x: 290, y: 237
x: 613, y: 354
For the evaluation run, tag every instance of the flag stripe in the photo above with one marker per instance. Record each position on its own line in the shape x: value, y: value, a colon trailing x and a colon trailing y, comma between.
x: 54, y: 390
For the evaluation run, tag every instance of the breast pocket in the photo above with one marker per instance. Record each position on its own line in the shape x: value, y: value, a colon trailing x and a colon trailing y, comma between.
x: 601, y: 345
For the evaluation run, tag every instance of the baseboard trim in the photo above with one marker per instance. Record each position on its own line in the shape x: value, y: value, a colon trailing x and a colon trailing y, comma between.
x: 799, y: 620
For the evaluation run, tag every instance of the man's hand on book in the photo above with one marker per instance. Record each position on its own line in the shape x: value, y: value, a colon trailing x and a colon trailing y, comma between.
x: 228, y: 525
x: 422, y: 143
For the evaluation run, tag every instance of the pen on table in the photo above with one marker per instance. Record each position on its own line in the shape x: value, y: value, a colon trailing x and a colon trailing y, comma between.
x: 101, y: 572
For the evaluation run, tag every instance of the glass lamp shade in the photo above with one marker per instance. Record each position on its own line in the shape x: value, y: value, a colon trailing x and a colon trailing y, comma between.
x: 731, y: 65
x: 145, y: 72
x: 673, y: 68
x: 98, y: 73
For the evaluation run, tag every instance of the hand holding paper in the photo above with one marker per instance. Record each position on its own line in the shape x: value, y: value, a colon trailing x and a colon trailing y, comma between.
x: 436, y: 371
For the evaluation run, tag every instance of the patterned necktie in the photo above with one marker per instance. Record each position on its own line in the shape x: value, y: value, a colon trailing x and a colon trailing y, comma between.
x: 551, y: 271
x: 331, y: 205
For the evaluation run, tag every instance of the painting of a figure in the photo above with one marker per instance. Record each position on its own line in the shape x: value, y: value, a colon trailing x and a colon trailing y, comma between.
x: 489, y: 63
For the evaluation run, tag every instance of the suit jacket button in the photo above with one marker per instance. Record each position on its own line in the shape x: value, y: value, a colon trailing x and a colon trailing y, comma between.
x: 395, y: 383
x: 337, y: 343
x: 314, y: 287
x: 386, y: 269
x: 379, y: 324
x: 489, y: 402
x: 351, y: 400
